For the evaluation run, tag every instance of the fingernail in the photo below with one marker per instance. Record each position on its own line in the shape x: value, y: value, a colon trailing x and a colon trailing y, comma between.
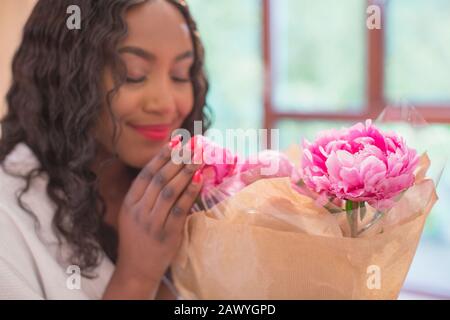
x: 192, y: 144
x: 196, y: 143
x: 197, y: 178
x: 198, y: 157
x: 175, y: 141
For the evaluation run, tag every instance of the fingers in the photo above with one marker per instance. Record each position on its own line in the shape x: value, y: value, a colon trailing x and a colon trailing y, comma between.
x: 145, y: 177
x: 176, y: 217
x: 159, y: 184
x: 170, y: 194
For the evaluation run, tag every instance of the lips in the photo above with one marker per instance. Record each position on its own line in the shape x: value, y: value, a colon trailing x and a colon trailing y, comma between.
x: 153, y: 132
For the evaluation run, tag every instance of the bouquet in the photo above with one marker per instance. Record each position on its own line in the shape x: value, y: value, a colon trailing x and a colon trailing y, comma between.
x: 342, y: 224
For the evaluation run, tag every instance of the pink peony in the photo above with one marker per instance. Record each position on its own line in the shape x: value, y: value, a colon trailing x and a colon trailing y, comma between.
x: 267, y: 164
x: 264, y: 165
x: 225, y: 174
x: 219, y: 163
x: 360, y: 163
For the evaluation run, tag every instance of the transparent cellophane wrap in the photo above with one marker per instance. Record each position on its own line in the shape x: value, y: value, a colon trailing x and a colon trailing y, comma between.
x: 268, y: 241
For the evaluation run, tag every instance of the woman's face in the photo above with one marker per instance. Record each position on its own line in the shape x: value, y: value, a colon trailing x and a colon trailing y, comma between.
x: 158, y: 96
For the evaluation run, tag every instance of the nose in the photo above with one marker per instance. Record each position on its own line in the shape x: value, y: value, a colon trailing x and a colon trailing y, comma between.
x: 160, y: 97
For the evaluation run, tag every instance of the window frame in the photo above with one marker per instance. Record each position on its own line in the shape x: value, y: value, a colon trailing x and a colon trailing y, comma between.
x: 375, y: 100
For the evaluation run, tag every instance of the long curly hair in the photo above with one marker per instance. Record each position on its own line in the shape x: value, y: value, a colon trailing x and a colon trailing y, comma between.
x: 54, y: 102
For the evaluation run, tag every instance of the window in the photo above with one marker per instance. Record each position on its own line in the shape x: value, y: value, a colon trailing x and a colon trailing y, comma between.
x: 307, y: 75
x: 418, y: 52
x: 324, y: 63
x: 231, y: 32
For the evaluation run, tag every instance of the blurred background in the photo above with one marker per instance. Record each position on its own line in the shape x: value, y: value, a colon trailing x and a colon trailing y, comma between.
x: 302, y: 66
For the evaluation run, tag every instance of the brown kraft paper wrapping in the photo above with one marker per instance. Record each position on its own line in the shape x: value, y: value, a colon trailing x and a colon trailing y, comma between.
x: 274, y: 243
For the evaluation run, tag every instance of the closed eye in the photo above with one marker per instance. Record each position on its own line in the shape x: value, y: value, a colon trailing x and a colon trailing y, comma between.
x: 135, y: 80
x: 181, y: 80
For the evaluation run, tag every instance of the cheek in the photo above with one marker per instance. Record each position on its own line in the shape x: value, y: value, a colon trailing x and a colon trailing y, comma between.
x: 112, y: 113
x: 113, y: 116
x: 184, y: 100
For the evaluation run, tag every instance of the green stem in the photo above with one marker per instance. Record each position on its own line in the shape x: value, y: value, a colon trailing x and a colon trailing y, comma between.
x: 353, y: 210
x: 362, y: 210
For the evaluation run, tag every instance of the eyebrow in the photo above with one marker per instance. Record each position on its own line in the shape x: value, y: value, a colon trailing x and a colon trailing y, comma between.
x: 150, y: 56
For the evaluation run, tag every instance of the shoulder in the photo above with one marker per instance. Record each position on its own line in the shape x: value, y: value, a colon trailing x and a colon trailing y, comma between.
x: 18, y: 164
x: 16, y: 256
x: 18, y: 237
x: 30, y: 216
x: 32, y: 262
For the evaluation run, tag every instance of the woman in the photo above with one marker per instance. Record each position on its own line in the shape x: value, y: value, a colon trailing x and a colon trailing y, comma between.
x: 86, y: 175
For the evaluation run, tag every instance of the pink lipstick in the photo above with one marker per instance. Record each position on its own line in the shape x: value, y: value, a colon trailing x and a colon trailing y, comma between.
x: 153, y: 132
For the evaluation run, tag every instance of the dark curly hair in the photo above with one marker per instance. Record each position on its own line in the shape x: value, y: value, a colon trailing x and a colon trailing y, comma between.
x: 55, y: 99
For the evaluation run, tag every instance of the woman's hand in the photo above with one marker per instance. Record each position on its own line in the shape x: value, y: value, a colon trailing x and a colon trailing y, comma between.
x: 151, y: 223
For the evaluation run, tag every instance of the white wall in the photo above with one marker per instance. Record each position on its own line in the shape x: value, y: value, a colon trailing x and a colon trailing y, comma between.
x: 13, y: 14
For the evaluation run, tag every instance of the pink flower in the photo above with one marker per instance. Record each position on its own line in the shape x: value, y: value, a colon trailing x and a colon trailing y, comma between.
x: 219, y: 163
x: 360, y: 163
x: 225, y: 174
x: 267, y: 164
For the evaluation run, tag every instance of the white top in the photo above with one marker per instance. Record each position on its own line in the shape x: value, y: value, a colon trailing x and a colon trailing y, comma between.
x: 32, y: 265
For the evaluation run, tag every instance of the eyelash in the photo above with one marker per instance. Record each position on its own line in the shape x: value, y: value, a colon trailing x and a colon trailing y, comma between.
x: 181, y: 80
x: 135, y: 81
x: 140, y: 80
